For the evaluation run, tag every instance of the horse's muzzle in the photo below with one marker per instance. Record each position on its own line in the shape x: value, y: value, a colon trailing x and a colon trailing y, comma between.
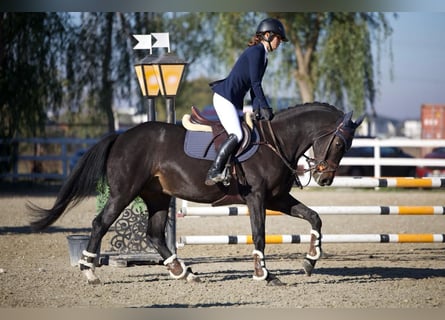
x: 324, y: 179
x: 323, y: 173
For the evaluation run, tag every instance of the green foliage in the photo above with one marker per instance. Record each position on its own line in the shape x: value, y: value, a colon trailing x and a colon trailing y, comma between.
x: 346, y: 66
x: 30, y: 82
x: 138, y: 206
x: 103, y: 193
x: 78, y: 67
x: 195, y: 93
x: 328, y: 57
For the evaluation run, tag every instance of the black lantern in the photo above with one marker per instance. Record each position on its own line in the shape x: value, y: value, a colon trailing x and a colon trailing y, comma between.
x: 148, y: 83
x: 169, y: 70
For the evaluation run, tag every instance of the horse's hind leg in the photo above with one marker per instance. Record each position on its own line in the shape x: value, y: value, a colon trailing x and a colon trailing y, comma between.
x: 257, y: 223
x: 157, y: 207
x: 101, y: 224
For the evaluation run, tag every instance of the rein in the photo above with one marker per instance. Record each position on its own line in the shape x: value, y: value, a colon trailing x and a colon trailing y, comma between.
x: 313, y: 164
x: 277, y: 150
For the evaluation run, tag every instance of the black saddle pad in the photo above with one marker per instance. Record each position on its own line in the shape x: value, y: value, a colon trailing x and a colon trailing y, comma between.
x: 196, y: 145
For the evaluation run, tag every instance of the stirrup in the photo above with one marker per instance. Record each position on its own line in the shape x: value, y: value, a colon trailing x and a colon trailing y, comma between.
x: 223, y: 177
x: 213, y: 179
x: 226, y: 177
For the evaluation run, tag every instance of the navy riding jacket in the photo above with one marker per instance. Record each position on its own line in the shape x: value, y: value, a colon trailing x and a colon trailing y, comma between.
x: 246, y: 75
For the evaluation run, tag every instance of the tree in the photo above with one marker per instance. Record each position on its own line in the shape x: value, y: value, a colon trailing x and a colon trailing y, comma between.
x: 328, y: 57
x: 334, y: 55
x: 30, y: 84
x: 193, y: 93
x: 78, y: 65
x: 98, y: 74
x: 83, y: 62
x: 31, y: 51
x: 63, y: 63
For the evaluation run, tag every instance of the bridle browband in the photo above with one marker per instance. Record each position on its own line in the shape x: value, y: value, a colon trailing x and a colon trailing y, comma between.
x: 314, y: 165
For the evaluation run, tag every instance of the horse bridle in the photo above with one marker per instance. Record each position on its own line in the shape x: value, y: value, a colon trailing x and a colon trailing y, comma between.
x: 314, y: 165
x: 324, y: 165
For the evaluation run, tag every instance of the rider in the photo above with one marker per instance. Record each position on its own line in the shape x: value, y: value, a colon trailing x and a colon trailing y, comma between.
x: 246, y: 75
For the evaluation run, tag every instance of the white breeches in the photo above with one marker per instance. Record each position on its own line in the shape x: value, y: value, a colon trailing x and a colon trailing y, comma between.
x: 228, y: 115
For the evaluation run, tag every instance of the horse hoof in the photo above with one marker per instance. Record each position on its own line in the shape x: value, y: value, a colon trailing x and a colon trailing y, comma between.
x: 193, y: 278
x: 94, y: 281
x: 91, y: 276
x: 274, y: 281
x: 308, y: 266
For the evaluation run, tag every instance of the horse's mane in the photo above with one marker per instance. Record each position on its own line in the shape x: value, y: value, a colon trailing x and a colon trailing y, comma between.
x: 312, y: 106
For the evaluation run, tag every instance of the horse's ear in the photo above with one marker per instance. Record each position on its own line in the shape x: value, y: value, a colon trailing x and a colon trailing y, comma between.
x: 347, y: 118
x: 360, y: 120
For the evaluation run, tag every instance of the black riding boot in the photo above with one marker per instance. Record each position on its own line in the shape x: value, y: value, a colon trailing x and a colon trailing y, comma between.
x: 215, y: 172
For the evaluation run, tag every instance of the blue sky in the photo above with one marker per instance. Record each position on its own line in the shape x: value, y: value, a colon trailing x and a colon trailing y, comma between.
x: 418, y: 42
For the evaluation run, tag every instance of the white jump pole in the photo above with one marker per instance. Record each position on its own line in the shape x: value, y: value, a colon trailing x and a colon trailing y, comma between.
x: 204, y: 211
x: 327, y: 238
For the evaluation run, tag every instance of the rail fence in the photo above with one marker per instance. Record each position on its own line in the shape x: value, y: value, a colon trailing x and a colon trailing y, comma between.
x: 31, y: 152
x: 67, y: 146
x: 363, y: 182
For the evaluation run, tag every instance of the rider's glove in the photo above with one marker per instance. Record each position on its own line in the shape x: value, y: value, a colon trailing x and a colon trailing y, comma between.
x: 264, y: 114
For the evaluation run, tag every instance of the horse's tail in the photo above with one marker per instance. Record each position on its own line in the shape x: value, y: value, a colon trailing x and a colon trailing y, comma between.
x: 81, y: 183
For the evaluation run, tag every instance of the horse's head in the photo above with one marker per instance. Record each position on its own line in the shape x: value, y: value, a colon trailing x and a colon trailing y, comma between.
x: 330, y: 147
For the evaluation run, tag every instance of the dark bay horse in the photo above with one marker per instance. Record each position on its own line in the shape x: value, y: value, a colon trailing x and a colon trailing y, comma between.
x: 149, y: 161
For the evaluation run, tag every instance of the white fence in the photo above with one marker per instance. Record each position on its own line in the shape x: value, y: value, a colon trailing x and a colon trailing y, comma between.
x: 377, y: 161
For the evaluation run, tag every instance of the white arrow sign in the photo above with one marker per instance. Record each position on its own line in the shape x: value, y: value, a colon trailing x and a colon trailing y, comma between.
x: 145, y: 41
x: 162, y: 40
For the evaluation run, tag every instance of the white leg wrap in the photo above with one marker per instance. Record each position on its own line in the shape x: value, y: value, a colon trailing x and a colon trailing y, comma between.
x: 263, y: 266
x: 169, y: 260
x: 89, y: 254
x: 316, y: 245
x: 315, y: 233
x: 316, y: 256
x: 184, y: 269
x: 84, y: 259
x: 258, y: 253
x: 87, y: 264
x: 87, y: 260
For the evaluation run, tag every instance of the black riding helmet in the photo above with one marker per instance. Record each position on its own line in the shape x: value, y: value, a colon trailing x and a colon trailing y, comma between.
x: 274, y: 26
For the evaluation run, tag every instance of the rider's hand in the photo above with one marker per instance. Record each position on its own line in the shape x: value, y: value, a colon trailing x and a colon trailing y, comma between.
x: 264, y: 114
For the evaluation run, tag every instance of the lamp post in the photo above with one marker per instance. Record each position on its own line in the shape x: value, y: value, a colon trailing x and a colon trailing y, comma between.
x: 169, y: 70
x: 148, y: 83
x: 155, y: 75
x: 162, y: 75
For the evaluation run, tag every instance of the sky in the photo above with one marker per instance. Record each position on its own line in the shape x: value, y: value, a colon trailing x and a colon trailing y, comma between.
x: 418, y: 43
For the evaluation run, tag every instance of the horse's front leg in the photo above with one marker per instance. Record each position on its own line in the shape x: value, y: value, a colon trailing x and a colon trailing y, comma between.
x: 301, y: 211
x: 291, y: 206
x: 257, y: 223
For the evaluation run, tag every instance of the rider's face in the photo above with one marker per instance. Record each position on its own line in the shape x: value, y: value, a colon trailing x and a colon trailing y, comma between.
x: 276, y: 41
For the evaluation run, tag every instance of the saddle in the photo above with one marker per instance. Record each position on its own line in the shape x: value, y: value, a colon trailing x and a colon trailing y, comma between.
x: 203, y: 139
x: 197, y: 122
